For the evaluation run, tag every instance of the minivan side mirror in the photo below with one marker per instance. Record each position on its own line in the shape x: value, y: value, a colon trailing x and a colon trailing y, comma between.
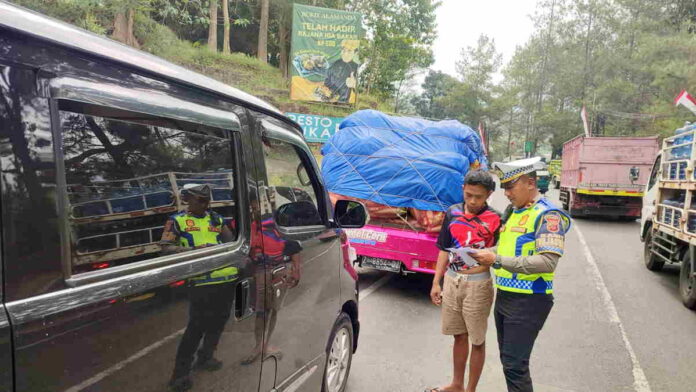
x: 350, y: 214
x: 298, y: 213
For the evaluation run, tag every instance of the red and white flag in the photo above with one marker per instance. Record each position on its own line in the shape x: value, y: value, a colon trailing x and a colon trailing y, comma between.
x: 585, y: 123
x: 482, y: 134
x: 686, y: 100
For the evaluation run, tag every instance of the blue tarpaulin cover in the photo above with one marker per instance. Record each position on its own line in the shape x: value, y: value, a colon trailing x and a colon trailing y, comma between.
x: 401, y: 161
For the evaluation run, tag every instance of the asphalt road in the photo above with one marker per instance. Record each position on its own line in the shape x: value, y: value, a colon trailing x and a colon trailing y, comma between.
x: 615, y: 326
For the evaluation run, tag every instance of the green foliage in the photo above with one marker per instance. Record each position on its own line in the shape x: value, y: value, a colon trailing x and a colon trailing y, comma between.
x: 87, y: 14
x: 400, y: 37
x: 624, y: 60
x: 435, y: 85
x: 478, y: 64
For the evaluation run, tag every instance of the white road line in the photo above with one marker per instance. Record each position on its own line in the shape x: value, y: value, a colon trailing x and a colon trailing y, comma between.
x: 640, y: 382
x: 106, y: 373
x: 375, y: 286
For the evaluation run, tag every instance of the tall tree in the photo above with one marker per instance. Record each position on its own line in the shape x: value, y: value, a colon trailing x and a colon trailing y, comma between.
x: 470, y: 99
x: 477, y: 64
x: 436, y: 85
x: 262, y: 51
x: 400, y: 38
x: 226, y: 24
x: 212, y: 29
x: 124, y: 19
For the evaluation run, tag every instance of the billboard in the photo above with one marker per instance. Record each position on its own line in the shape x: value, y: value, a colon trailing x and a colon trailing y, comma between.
x: 316, y: 129
x: 324, y: 58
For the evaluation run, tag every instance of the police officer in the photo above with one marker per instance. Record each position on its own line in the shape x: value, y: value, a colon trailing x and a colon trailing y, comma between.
x: 530, y: 245
x: 211, y: 295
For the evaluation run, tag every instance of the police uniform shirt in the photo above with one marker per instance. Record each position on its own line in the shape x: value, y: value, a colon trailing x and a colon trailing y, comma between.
x: 549, y: 243
x: 172, y: 232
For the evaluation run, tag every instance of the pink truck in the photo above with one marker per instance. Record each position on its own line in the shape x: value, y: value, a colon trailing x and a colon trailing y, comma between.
x: 393, y: 249
x: 606, y: 175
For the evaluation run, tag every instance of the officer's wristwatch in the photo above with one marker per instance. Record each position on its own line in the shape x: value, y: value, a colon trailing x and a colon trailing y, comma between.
x: 497, y: 264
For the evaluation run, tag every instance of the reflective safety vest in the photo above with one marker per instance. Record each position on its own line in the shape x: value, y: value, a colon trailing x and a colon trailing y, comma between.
x: 518, y: 238
x: 207, y: 230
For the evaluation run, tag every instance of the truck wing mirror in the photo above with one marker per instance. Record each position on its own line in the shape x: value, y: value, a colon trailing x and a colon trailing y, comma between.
x: 634, y: 173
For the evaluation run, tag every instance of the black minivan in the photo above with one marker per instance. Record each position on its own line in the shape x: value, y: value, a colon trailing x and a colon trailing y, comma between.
x: 160, y: 230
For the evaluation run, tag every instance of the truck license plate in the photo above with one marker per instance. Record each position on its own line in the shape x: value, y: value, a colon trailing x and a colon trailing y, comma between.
x: 382, y: 264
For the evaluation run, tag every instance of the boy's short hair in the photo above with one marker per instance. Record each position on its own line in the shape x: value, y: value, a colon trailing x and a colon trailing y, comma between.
x: 480, y: 177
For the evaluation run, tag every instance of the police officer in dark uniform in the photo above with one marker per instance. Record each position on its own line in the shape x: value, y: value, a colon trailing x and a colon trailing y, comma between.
x: 531, y: 243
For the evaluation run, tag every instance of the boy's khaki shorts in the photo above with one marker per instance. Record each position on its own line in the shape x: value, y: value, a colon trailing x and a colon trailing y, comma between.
x: 466, y: 306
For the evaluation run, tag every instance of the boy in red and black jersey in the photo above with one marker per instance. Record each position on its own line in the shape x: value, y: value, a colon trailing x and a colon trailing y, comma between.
x: 468, y: 290
x: 468, y: 230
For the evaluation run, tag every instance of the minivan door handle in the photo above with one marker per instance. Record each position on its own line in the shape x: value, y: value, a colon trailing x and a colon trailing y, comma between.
x: 277, y: 271
x: 242, y: 301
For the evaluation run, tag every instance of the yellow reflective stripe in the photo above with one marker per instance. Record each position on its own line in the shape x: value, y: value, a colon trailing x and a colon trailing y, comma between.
x: 609, y: 192
x: 222, y: 275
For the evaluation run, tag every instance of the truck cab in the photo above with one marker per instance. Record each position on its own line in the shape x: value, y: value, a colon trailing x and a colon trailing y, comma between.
x: 649, y: 196
x: 668, y: 226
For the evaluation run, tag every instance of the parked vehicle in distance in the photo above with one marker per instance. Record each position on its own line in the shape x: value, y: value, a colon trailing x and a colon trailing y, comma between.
x: 668, y: 227
x: 543, y: 181
x: 555, y: 172
x: 605, y: 176
x: 99, y: 142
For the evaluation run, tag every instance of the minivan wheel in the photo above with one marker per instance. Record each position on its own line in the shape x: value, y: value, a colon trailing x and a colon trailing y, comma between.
x: 339, y: 355
x: 687, y: 282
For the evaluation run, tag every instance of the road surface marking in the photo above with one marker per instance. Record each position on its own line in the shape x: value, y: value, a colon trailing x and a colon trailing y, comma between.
x: 106, y: 373
x: 640, y: 382
x: 375, y: 286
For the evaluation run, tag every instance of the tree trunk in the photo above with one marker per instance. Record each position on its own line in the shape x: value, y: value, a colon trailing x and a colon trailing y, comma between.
x: 509, y: 140
x: 212, y: 29
x: 226, y: 16
x: 262, y: 51
x: 123, y: 28
x: 586, y: 67
x: 283, y: 37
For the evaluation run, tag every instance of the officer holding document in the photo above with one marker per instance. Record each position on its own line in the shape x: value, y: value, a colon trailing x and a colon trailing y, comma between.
x: 531, y: 242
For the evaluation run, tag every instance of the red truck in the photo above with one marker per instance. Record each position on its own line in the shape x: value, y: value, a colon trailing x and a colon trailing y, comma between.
x: 606, y: 175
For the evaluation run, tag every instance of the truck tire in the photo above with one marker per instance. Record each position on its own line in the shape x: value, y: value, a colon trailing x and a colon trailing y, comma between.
x: 573, y: 214
x: 564, y: 204
x: 687, y: 282
x: 649, y: 258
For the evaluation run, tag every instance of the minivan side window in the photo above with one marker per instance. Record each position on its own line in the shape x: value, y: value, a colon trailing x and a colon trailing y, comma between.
x: 292, y: 196
x: 138, y: 187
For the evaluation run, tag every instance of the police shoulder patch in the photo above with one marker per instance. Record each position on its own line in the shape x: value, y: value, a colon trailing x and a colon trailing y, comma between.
x: 552, y: 221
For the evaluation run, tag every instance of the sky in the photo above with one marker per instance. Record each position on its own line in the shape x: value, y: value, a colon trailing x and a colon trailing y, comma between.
x: 460, y: 22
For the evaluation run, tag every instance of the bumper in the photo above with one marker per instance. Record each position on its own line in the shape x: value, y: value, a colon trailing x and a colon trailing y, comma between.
x: 408, y: 263
x: 613, y: 211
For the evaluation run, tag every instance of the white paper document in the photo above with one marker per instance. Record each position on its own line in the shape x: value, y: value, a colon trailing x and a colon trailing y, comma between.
x: 462, y: 254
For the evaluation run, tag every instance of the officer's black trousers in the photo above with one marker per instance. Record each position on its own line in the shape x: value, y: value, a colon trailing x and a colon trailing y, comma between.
x: 518, y: 319
x: 210, y: 308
